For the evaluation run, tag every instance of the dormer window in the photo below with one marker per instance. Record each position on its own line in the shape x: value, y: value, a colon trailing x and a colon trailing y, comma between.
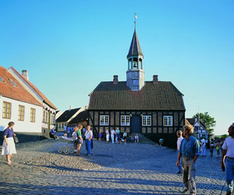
x: 13, y: 83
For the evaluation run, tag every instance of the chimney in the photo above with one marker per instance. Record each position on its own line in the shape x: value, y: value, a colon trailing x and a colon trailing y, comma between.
x: 155, y: 79
x: 115, y: 79
x: 70, y: 108
x: 25, y: 74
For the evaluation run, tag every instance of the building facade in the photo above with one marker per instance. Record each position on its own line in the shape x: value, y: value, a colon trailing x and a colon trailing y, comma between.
x: 49, y: 109
x: 19, y: 106
x: 153, y: 108
x: 199, y: 129
x: 62, y: 122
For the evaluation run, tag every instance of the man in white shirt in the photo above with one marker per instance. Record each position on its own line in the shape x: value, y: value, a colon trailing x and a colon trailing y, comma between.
x: 179, y: 140
x: 88, y: 137
x: 228, y: 151
x: 113, y: 136
x: 203, y: 147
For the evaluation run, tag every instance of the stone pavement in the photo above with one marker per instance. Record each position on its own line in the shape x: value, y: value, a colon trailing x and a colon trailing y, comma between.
x: 113, y: 169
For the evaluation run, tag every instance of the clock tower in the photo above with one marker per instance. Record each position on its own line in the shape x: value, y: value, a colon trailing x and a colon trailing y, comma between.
x: 135, y: 72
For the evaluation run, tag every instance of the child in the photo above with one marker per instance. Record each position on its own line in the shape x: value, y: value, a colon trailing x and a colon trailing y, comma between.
x: 136, y: 138
x: 217, y: 147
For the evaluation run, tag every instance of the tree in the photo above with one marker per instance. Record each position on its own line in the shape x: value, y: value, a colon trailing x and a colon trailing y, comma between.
x: 207, y: 120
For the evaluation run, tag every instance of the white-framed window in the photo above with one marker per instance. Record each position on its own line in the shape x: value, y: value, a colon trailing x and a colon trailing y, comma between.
x: 21, y: 113
x: 167, y: 120
x: 52, y: 119
x: 125, y: 120
x: 6, y: 111
x: 32, y: 115
x: 146, y: 120
x: 104, y: 119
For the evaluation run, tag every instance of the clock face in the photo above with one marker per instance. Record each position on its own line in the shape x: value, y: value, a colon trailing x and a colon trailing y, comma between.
x: 135, y: 82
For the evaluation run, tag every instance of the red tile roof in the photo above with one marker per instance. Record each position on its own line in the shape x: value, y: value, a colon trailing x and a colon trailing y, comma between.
x: 7, y: 89
x: 46, y: 100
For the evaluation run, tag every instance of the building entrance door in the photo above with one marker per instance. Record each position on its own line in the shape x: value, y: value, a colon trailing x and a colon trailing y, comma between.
x: 135, y: 124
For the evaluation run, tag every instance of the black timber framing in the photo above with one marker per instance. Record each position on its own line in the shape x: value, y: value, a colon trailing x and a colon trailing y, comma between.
x: 179, y: 124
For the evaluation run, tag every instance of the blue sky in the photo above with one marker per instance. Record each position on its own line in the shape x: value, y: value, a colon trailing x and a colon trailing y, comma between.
x: 69, y: 46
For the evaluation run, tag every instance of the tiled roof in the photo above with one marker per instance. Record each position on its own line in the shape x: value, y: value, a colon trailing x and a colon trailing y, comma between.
x: 135, y: 48
x: 45, y: 99
x: 82, y: 116
x: 67, y: 115
x: 7, y: 89
x: 191, y: 120
x: 161, y: 96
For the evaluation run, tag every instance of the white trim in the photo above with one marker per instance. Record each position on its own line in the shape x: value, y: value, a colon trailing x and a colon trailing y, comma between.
x: 146, y: 120
x: 104, y: 120
x: 168, y: 122
x: 126, y: 119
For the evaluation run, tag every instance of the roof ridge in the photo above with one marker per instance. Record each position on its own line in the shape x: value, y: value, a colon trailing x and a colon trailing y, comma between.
x: 45, y: 99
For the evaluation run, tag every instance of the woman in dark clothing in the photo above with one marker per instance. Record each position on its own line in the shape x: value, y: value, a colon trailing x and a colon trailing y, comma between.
x: 8, y: 146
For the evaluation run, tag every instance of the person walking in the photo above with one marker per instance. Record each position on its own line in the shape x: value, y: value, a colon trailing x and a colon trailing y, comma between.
x: 125, y: 137
x: 113, y: 136
x: 79, y: 139
x: 203, y: 147
x: 217, y: 147
x: 179, y: 140
x: 117, y: 136
x: 8, y: 146
x: 88, y: 137
x: 189, y: 151
x: 228, y: 152
x: 100, y: 136
x: 107, y: 136
x: 211, y: 147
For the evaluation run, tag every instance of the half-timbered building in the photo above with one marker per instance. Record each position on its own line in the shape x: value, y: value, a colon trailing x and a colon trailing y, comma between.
x: 152, y: 108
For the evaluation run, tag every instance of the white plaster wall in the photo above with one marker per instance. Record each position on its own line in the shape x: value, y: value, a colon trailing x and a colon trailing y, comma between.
x: 21, y: 126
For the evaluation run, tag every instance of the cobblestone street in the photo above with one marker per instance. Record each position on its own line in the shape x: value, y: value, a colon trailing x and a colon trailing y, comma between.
x: 113, y: 169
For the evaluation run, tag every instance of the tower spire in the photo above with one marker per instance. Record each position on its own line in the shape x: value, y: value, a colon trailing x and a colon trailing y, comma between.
x: 135, y: 72
x: 135, y: 17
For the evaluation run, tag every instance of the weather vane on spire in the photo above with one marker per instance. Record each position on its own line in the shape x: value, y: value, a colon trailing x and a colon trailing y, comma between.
x: 135, y: 17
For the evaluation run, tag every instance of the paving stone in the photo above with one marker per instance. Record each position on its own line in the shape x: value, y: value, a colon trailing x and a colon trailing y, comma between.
x: 113, y: 169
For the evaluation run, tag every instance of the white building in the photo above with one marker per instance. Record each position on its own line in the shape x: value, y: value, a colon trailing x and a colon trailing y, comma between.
x: 48, y: 111
x: 19, y: 106
x: 199, y: 129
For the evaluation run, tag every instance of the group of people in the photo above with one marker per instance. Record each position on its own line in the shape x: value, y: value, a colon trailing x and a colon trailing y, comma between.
x: 113, y: 135
x: 215, y: 145
x: 81, y: 133
x: 189, y: 149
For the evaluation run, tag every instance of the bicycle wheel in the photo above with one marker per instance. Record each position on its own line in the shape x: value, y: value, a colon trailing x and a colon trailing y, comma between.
x: 71, y: 150
x: 66, y: 150
x: 60, y: 150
